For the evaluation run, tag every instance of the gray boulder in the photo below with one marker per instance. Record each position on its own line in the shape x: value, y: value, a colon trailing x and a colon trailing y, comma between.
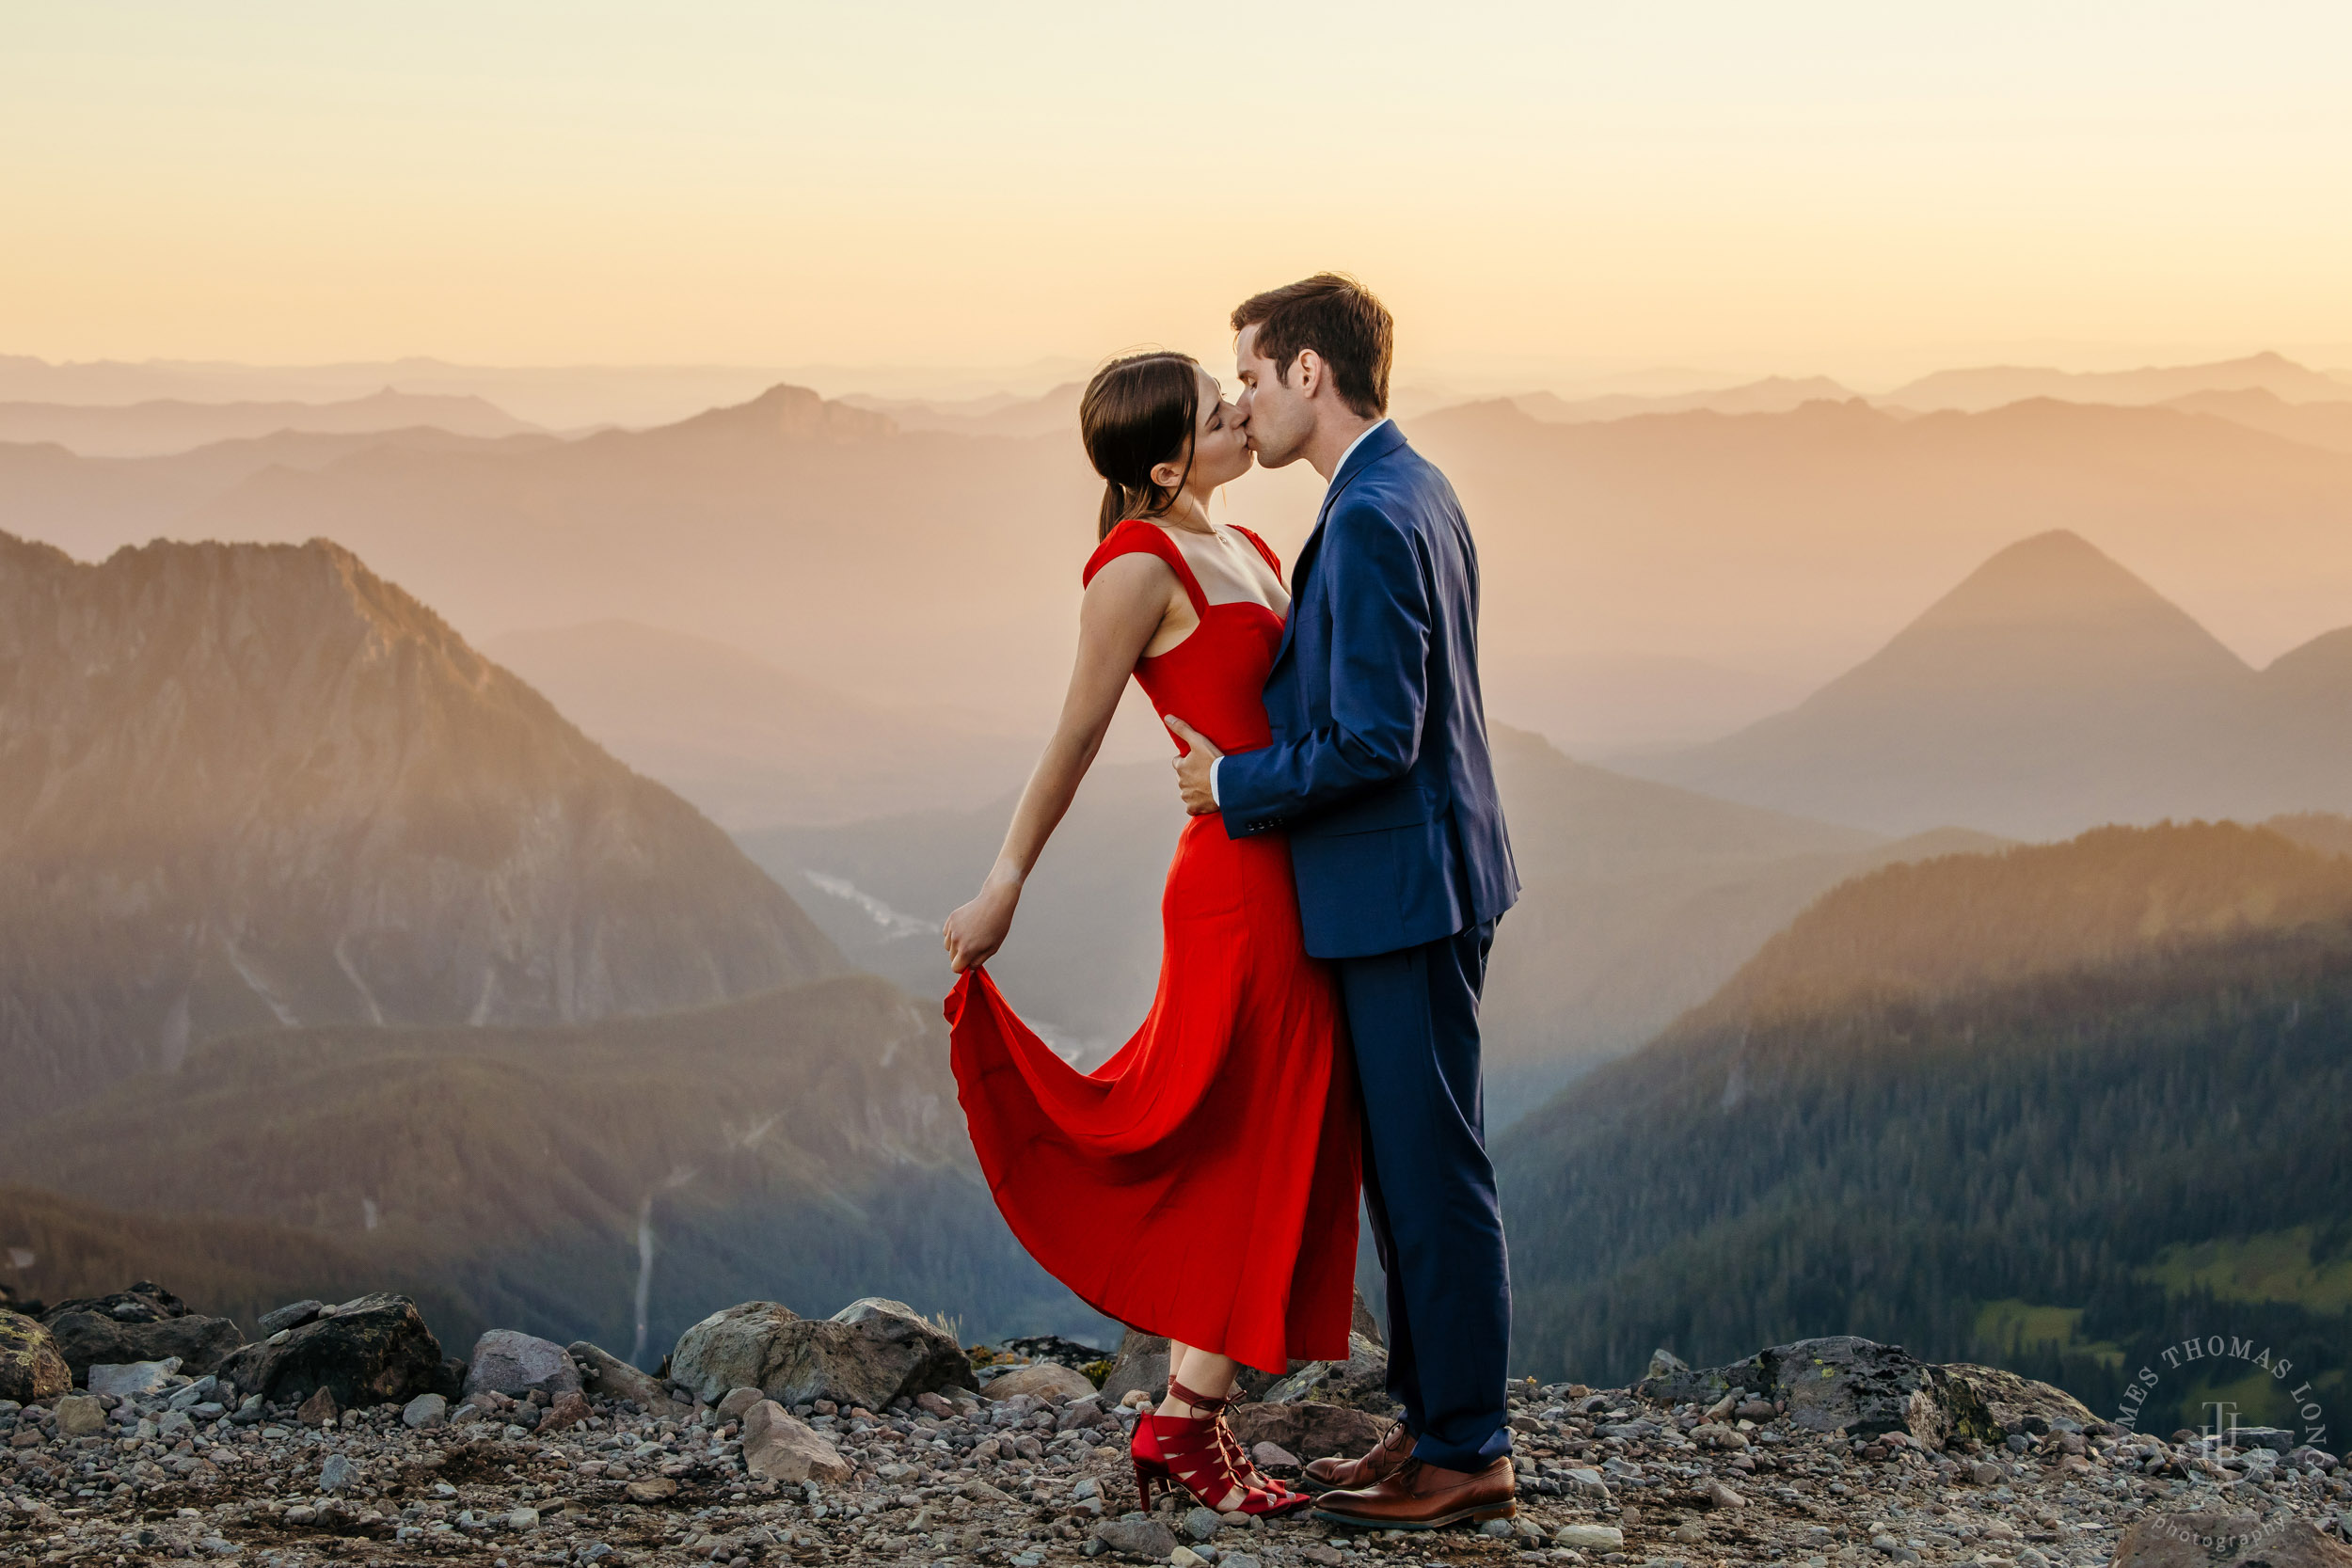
x: 2013, y: 1402
x: 30, y: 1368
x: 870, y: 1352
x: 373, y: 1350
x: 1311, y: 1431
x: 731, y: 1349
x: 136, y: 1377
x: 2216, y: 1540
x: 1046, y: 1379
x: 1361, y: 1381
x: 145, y: 1323
x: 1847, y: 1382
x: 1141, y: 1364
x: 513, y: 1363
x: 607, y: 1376
x: 1138, y: 1537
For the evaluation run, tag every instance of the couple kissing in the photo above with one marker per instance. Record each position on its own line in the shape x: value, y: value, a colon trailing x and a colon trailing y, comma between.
x: 1327, y: 921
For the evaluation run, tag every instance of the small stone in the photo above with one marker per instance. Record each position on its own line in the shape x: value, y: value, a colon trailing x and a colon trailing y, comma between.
x: 338, y: 1473
x: 130, y: 1379
x: 301, y: 1514
x: 1984, y: 1474
x: 653, y: 1489
x: 291, y: 1316
x: 522, y: 1519
x: 1137, y: 1537
x: 568, y: 1410
x: 516, y: 1364
x: 738, y: 1401
x: 1202, y: 1524
x: 1499, y: 1528
x: 1589, y: 1538
x: 79, y: 1416
x: 1720, y: 1496
x: 425, y: 1410
x: 1238, y: 1560
x: 1274, y: 1456
x: 1184, y: 1557
x: 319, y: 1409
x: 1042, y: 1379
x: 779, y: 1445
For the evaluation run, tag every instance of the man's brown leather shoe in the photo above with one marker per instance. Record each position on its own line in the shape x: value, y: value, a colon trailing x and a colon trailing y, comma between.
x: 1387, y: 1457
x: 1421, y: 1495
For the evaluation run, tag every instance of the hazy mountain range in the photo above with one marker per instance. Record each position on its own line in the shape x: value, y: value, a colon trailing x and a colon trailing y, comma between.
x: 1990, y: 386
x: 2051, y: 692
x: 1775, y: 394
x: 174, y: 425
x: 1650, y: 581
x: 2054, y: 1108
x: 244, y: 786
x: 752, y: 745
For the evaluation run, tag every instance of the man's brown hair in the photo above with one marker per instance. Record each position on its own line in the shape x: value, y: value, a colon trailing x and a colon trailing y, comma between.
x: 1339, y: 319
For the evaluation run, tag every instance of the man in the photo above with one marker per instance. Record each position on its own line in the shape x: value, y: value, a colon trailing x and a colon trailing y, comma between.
x: 1380, y: 776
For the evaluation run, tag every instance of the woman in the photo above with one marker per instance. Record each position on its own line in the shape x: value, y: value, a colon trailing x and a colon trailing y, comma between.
x: 1202, y: 1183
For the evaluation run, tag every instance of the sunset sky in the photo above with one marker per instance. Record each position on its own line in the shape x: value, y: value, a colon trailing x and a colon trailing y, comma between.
x: 1863, y: 189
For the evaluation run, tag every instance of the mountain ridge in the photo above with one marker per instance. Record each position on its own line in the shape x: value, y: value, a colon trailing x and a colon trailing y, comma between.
x: 2051, y: 690
x: 256, y: 785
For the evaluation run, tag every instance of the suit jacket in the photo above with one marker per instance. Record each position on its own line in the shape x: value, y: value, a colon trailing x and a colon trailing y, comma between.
x: 1379, y: 769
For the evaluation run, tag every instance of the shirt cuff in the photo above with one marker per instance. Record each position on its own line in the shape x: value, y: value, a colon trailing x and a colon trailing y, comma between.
x: 1215, y: 799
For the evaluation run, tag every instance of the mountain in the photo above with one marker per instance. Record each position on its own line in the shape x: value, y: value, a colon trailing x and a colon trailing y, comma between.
x: 749, y: 744
x: 1775, y: 394
x: 1651, y: 581
x: 1626, y: 559
x: 800, y: 1145
x: 170, y: 425
x: 2040, y: 1106
x: 246, y: 786
x: 2324, y: 424
x: 1991, y: 386
x: 2051, y: 690
x: 1640, y: 900
x: 558, y: 397
x: 1054, y: 413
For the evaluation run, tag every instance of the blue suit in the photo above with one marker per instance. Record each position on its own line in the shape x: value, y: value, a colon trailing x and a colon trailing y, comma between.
x: 1379, y: 774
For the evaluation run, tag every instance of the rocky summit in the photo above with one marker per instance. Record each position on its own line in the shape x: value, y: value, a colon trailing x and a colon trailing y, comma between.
x: 532, y: 1453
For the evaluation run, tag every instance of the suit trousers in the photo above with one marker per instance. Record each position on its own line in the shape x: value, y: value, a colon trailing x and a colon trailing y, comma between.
x: 1429, y: 1189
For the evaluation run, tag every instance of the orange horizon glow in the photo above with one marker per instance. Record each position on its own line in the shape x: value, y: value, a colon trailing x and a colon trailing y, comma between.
x: 1826, y: 187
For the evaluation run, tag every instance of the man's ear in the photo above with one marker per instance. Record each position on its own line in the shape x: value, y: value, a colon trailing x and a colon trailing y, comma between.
x: 1307, y: 370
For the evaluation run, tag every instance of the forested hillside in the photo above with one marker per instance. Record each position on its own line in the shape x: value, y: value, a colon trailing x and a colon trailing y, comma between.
x: 1989, y: 1107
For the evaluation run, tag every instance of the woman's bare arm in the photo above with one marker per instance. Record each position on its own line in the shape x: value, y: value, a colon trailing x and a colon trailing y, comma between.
x: 1122, y: 610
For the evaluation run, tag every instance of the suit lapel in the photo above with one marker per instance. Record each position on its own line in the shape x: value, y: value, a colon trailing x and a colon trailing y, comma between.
x: 1375, y: 447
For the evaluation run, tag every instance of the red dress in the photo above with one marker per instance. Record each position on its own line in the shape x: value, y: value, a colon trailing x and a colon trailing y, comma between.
x: 1201, y: 1183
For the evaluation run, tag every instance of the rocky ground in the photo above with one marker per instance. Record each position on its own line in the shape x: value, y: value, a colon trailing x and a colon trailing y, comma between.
x: 587, y: 1461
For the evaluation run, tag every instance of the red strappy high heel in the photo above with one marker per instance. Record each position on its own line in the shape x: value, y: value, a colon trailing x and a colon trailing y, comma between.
x: 1201, y: 1455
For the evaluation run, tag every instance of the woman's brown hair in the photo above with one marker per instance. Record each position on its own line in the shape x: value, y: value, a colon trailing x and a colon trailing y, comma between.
x: 1139, y: 412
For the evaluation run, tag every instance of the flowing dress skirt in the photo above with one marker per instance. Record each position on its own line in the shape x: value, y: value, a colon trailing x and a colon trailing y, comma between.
x: 1202, y: 1183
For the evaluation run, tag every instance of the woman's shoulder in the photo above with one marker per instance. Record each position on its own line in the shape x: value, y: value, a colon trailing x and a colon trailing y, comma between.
x: 1134, y: 536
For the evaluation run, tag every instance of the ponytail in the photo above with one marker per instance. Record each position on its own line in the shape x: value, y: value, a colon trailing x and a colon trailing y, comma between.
x: 1140, y: 412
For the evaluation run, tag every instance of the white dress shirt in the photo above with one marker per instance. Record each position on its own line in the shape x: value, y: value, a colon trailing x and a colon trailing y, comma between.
x: 1215, y: 799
